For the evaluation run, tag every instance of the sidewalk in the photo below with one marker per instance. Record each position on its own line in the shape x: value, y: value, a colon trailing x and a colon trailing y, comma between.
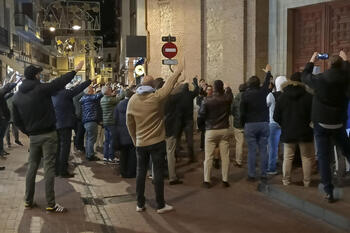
x: 98, y: 200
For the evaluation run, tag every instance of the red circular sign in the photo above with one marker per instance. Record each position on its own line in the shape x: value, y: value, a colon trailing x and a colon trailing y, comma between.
x: 169, y: 50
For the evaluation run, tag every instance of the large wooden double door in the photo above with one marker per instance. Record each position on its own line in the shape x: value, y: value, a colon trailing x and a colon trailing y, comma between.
x: 323, y: 28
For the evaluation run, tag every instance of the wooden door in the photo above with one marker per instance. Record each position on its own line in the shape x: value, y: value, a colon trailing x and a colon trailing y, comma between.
x: 323, y: 28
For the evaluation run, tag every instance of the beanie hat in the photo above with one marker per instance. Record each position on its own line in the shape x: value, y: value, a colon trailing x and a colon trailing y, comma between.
x: 31, y: 71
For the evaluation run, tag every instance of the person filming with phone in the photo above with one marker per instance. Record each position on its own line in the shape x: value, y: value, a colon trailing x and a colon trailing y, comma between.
x: 329, y: 111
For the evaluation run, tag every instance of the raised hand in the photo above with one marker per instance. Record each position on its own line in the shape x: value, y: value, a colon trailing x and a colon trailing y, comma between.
x: 313, y: 58
x: 343, y: 55
x: 79, y: 66
x: 268, y: 68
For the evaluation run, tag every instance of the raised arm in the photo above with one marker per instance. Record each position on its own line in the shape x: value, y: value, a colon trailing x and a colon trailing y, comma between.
x: 61, y: 82
x: 169, y: 83
x: 268, y: 77
x: 81, y: 87
x: 307, y: 77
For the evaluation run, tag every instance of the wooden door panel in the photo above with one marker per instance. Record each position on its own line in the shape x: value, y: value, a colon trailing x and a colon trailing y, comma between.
x: 308, y: 34
x: 339, y: 27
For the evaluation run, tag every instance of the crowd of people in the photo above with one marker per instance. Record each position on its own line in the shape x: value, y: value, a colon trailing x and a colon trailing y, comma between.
x: 141, y: 126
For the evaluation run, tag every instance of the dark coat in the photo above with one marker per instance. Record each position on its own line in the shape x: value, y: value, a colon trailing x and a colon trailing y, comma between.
x: 33, y: 111
x: 122, y: 134
x: 185, y: 102
x: 91, y: 109
x: 330, y: 102
x: 253, y: 104
x: 236, y: 111
x: 4, y: 110
x: 64, y: 108
x: 215, y: 110
x: 77, y: 105
x: 293, y: 113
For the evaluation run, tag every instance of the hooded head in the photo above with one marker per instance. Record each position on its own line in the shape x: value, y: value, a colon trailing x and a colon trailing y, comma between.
x: 32, y: 72
x: 279, y: 81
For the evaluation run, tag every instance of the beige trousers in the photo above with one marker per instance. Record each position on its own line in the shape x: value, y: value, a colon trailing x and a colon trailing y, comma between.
x: 307, y: 157
x: 214, y: 138
x: 239, y: 138
x: 170, y: 151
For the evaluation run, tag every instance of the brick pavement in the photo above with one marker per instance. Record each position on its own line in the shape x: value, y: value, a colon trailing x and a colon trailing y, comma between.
x: 110, y: 205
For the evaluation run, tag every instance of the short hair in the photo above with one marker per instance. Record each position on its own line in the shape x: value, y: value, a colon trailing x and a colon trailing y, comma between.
x: 242, y: 87
x: 253, y: 82
x: 128, y: 93
x: 218, y: 86
x: 296, y: 77
x: 158, y: 83
x: 86, y: 90
x: 105, y: 89
x: 336, y: 61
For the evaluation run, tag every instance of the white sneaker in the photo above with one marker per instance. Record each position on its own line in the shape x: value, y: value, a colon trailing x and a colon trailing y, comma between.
x: 165, y: 209
x: 140, y: 209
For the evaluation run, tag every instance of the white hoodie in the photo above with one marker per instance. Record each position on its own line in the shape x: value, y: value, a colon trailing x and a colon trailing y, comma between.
x: 270, y: 99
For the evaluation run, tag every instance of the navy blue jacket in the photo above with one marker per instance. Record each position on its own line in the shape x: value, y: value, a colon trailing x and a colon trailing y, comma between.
x: 90, y: 105
x: 253, y: 105
x: 64, y: 108
x: 122, y: 136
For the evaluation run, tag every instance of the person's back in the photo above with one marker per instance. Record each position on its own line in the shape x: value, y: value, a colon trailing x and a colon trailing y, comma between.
x: 329, y: 112
x: 89, y: 105
x: 331, y: 101
x: 218, y: 110
x: 107, y: 104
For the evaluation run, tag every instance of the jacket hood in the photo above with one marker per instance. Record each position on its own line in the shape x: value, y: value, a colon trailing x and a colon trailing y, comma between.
x: 144, y: 89
x: 28, y: 85
x: 293, y: 89
x: 279, y: 82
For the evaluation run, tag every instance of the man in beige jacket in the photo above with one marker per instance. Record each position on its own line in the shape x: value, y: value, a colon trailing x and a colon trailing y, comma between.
x: 145, y: 121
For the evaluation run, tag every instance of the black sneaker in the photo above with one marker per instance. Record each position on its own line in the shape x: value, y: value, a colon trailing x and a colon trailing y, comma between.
x: 94, y: 158
x: 56, y: 209
x: 18, y: 142
x: 330, y: 198
x: 2, y: 168
x: 68, y: 175
x: 225, y: 184
x: 175, y: 182
x: 206, y: 185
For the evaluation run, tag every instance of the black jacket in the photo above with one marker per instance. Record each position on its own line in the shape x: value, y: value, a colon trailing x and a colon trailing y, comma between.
x: 293, y: 113
x: 215, y: 110
x: 172, y: 115
x: 4, y: 110
x: 236, y: 111
x: 33, y: 111
x: 330, y: 101
x: 64, y: 108
x: 122, y: 134
x: 253, y: 104
x: 185, y: 102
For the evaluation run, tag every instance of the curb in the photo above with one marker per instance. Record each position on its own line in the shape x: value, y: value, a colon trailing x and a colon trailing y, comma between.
x: 306, y: 207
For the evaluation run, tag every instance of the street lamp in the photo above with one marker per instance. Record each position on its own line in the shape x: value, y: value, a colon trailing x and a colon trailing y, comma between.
x: 52, y: 29
x: 76, y: 27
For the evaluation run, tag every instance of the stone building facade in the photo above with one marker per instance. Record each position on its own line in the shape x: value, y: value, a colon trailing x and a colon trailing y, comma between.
x: 220, y: 39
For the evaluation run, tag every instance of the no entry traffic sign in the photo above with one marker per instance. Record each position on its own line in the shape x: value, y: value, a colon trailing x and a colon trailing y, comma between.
x: 169, y: 50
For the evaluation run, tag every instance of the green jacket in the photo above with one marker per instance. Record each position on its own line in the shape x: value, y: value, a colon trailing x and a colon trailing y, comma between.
x: 107, y: 104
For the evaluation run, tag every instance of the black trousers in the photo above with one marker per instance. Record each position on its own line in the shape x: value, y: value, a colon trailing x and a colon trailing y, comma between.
x: 128, y: 161
x: 79, y: 135
x: 187, y: 128
x: 64, y: 141
x: 158, y: 154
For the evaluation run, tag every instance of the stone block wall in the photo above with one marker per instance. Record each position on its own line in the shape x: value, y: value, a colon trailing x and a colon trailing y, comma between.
x: 179, y: 18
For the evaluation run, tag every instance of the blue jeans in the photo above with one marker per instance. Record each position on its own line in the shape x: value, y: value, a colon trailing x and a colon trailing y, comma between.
x: 274, y: 139
x: 323, y: 139
x: 256, y: 135
x: 108, y: 147
x: 90, y: 140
